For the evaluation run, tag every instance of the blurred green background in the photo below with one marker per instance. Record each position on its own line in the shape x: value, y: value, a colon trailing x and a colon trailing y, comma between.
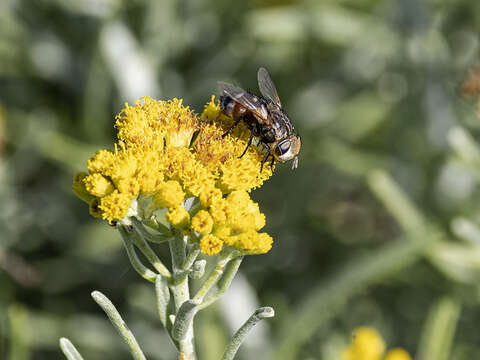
x: 379, y: 225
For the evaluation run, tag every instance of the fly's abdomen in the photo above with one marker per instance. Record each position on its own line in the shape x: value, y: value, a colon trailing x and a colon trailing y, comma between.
x: 231, y: 108
x: 227, y: 104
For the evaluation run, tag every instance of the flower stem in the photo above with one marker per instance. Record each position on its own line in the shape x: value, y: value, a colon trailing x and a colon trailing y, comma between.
x: 215, y: 274
x: 241, y: 334
x: 144, y: 272
x: 181, y: 293
x: 70, y: 352
x: 187, y: 263
x: 223, y: 283
x: 119, y: 324
x: 157, y: 239
x: 184, y: 318
x: 140, y: 243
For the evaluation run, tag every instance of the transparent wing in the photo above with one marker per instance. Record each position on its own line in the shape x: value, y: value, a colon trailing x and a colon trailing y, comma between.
x: 267, y: 87
x: 251, y: 102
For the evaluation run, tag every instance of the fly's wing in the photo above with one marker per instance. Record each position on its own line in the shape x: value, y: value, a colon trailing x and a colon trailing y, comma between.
x: 251, y: 102
x: 267, y: 88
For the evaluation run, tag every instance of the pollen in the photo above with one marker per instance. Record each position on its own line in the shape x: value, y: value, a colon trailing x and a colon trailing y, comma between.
x: 210, y: 245
x: 165, y: 155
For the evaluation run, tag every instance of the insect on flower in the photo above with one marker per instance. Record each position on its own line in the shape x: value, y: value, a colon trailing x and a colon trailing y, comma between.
x: 265, y: 118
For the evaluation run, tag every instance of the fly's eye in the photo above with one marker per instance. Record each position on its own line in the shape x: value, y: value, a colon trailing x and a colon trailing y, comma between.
x: 283, y: 147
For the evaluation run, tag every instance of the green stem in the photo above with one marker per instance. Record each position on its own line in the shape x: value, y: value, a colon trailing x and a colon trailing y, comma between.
x: 119, y: 324
x: 223, y: 283
x: 20, y: 332
x: 155, y: 225
x: 241, y: 334
x: 157, y: 239
x: 144, y: 272
x: 70, y: 352
x: 191, y: 257
x: 141, y: 244
x: 188, y: 262
x: 181, y: 292
x: 222, y: 260
x: 184, y: 318
x: 439, y: 330
x: 163, y: 305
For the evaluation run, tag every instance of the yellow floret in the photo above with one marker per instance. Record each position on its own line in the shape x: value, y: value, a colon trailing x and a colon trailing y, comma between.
x: 170, y: 194
x: 202, y: 222
x: 218, y: 210
x: 211, y: 111
x: 150, y: 182
x: 264, y: 244
x: 210, y: 245
x: 115, y: 205
x: 251, y: 242
x: 244, y: 173
x: 223, y: 232
x: 98, y: 185
x: 148, y: 122
x: 242, y: 213
x: 79, y: 189
x: 124, y: 166
x: 209, y: 195
x: 100, y: 162
x: 178, y: 216
x: 128, y: 186
x: 367, y: 344
x: 397, y: 354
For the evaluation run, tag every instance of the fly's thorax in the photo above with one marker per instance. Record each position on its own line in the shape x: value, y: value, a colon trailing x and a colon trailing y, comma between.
x: 279, y: 122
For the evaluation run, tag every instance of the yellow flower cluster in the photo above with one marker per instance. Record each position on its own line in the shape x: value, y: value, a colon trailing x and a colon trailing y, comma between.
x: 166, y: 154
x: 367, y: 344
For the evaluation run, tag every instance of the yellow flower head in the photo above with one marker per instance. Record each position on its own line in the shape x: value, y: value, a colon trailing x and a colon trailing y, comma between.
x: 167, y: 157
x: 210, y: 245
x: 178, y: 216
x: 98, y: 185
x: 397, y: 354
x: 367, y: 344
x: 115, y: 205
x: 169, y: 194
x: 202, y: 222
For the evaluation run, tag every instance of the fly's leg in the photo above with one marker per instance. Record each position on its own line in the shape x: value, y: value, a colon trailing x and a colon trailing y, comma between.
x: 252, y: 134
x: 271, y: 162
x: 235, y: 123
x: 265, y: 158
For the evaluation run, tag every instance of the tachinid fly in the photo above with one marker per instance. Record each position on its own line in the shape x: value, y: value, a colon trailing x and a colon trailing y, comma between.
x: 265, y: 118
